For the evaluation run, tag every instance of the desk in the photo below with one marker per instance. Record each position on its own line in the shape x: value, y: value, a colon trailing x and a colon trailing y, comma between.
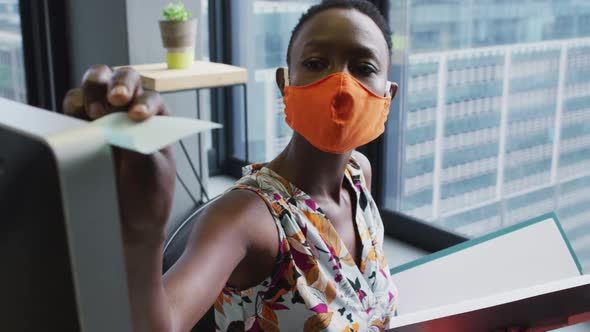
x: 203, y: 75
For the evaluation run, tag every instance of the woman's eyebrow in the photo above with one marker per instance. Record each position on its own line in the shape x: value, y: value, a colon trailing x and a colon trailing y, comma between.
x: 366, y: 51
x: 355, y: 48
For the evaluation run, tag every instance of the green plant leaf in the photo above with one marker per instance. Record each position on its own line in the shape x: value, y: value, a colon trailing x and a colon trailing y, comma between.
x: 176, y: 12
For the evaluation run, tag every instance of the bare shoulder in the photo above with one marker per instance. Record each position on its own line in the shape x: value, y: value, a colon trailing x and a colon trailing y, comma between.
x: 238, y: 203
x: 365, y: 166
x: 242, y: 211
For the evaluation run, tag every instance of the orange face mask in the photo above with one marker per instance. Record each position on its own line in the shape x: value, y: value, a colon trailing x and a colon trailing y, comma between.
x: 337, y: 113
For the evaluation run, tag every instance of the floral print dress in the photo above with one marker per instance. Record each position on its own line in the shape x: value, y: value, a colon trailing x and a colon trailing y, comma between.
x: 316, y: 285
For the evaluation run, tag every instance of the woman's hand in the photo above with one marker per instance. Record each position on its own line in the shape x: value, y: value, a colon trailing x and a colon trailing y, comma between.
x: 145, y: 183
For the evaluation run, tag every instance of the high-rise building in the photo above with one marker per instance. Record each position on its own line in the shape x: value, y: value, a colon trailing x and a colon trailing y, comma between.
x: 12, y: 75
x: 496, y: 114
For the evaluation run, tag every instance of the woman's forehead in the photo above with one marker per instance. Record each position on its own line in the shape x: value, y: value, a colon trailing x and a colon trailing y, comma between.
x: 341, y: 29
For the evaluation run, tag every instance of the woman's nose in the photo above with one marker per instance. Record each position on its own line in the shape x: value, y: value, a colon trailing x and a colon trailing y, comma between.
x: 340, y: 68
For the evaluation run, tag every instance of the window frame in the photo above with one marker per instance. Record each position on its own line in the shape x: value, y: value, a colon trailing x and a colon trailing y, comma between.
x: 222, y: 99
x: 45, y: 51
x: 421, y: 234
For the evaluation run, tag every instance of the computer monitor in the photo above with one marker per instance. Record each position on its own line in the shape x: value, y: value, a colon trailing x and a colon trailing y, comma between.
x: 61, y: 257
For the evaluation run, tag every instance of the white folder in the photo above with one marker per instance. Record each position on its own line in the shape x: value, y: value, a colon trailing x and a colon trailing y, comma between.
x: 525, y: 275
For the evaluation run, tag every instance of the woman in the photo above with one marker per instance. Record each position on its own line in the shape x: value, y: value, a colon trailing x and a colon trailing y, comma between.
x: 297, y: 243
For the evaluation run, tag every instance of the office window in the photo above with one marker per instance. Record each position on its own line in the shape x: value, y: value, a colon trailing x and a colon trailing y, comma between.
x: 260, y: 36
x: 12, y: 69
x: 495, y: 115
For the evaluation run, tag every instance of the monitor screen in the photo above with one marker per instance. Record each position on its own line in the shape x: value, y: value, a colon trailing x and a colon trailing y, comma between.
x: 37, y: 292
x: 61, y: 254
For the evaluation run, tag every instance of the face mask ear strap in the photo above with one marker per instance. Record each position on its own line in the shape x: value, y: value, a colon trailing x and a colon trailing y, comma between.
x: 388, y: 89
x: 286, y: 76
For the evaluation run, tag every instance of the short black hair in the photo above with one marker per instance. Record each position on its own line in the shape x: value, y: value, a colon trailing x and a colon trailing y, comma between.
x: 362, y: 6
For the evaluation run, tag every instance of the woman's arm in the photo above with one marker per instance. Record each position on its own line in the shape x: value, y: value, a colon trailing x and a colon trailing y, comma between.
x: 235, y: 229
x: 220, y: 241
x: 235, y: 242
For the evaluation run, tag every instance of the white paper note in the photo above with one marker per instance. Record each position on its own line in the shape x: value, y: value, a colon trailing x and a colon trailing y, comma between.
x: 152, y: 134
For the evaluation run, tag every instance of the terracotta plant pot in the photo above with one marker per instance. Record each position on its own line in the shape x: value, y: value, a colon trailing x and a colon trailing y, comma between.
x: 178, y: 38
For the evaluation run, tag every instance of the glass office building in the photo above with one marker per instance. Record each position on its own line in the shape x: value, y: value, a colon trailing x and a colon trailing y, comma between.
x: 496, y: 114
x: 12, y: 75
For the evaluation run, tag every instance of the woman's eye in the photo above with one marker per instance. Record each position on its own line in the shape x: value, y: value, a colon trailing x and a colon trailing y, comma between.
x: 313, y: 64
x: 366, y: 69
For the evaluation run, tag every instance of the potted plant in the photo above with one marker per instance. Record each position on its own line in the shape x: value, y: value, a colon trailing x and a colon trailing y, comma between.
x: 178, y: 30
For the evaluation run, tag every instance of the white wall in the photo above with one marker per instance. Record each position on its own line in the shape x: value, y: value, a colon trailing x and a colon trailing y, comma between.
x: 97, y: 34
